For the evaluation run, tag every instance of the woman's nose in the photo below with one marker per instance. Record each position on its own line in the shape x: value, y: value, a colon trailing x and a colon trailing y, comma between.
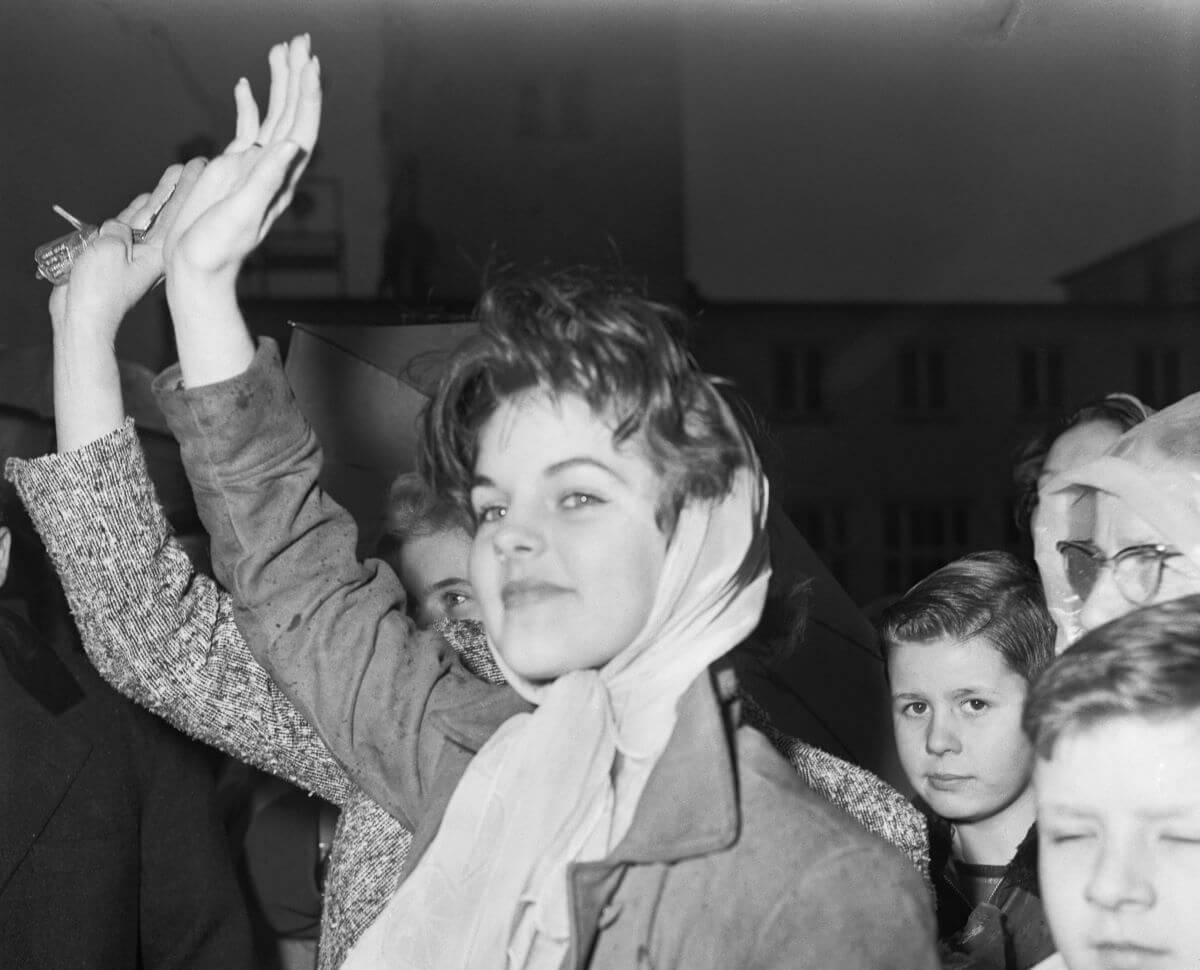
x: 517, y: 537
x: 1104, y: 602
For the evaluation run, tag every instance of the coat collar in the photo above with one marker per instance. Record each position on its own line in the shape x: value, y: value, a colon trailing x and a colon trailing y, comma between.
x: 689, y: 806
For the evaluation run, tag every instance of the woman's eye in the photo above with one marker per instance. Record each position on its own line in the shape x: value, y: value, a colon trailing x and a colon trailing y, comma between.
x: 490, y: 513
x: 452, y: 600
x: 1062, y: 837
x: 1181, y: 838
x: 915, y: 708
x: 577, y: 500
x: 975, y: 705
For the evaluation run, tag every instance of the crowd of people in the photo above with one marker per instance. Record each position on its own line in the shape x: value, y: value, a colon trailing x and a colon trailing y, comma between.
x: 526, y: 705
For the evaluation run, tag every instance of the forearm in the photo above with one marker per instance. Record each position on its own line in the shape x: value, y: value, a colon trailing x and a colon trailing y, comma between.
x: 87, y: 386
x: 211, y: 335
x: 155, y: 630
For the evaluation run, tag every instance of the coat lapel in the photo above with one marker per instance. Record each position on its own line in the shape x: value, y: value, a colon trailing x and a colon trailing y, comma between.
x: 39, y: 757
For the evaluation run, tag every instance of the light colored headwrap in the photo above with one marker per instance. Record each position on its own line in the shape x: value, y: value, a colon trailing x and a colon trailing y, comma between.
x: 1154, y: 468
x: 560, y: 784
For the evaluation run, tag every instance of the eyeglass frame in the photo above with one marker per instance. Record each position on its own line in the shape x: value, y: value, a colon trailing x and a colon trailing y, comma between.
x: 1161, y: 552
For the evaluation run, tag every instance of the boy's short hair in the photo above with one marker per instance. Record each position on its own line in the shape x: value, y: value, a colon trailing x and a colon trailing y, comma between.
x: 986, y: 594
x: 583, y: 333
x: 1143, y: 664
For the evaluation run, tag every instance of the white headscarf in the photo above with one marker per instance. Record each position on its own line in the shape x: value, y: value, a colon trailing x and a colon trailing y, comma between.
x: 560, y: 785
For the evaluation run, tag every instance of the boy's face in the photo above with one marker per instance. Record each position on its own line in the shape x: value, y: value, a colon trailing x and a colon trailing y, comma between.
x: 433, y: 571
x: 1118, y: 807
x: 956, y: 708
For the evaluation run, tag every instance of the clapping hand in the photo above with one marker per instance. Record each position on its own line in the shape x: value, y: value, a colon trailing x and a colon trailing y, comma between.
x: 114, y: 272
x: 244, y: 190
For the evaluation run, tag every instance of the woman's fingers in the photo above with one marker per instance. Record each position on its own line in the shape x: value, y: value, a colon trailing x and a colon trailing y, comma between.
x: 117, y: 230
x: 307, y: 123
x: 127, y: 214
x: 185, y: 181
x: 278, y: 59
x: 273, y: 182
x: 298, y: 58
x: 248, y: 123
x: 143, y: 217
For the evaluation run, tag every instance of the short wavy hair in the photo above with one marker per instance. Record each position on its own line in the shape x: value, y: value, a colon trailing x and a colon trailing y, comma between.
x: 412, y: 510
x: 1118, y: 409
x: 993, y: 595
x: 582, y: 333
x: 1144, y: 664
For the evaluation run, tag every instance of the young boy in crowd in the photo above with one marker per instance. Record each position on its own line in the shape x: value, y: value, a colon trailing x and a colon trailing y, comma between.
x: 963, y: 647
x: 1115, y: 723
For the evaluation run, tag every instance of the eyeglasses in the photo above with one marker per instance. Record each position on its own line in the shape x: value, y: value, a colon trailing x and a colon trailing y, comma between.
x: 1137, y: 570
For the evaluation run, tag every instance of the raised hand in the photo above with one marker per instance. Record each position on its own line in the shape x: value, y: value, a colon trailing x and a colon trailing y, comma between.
x: 245, y: 189
x: 113, y: 273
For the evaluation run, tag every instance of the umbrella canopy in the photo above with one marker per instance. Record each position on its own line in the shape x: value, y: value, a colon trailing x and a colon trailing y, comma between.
x: 362, y: 389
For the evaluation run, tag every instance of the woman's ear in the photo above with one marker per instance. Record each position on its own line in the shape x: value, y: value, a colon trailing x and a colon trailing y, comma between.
x: 5, y: 552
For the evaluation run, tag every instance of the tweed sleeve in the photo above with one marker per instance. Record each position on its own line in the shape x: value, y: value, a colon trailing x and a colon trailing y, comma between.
x: 154, y: 628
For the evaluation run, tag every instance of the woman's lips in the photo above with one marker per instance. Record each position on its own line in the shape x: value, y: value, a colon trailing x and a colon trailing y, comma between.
x: 526, y: 592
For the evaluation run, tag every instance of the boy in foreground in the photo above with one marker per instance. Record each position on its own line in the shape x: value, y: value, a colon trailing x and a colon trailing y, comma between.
x: 1115, y: 722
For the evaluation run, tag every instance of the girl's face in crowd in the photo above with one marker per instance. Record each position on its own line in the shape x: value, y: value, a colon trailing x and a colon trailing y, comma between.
x: 433, y: 571
x: 956, y: 708
x: 567, y: 553
x: 1119, y: 527
x: 1118, y: 806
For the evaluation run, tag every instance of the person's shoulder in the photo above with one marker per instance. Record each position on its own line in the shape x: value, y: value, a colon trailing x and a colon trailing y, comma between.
x: 804, y: 828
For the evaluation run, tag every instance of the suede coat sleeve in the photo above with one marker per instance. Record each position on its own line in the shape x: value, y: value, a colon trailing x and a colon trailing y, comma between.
x: 330, y: 630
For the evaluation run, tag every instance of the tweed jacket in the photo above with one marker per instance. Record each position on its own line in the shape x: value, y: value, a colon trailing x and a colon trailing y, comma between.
x: 165, y: 637
x: 729, y: 860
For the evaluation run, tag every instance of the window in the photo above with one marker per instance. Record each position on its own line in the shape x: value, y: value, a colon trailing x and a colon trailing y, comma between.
x: 921, y: 380
x: 1156, y: 375
x: 920, y: 537
x: 824, y: 528
x: 1041, y: 377
x: 798, y: 381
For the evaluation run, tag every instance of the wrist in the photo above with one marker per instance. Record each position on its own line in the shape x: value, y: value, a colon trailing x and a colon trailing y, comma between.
x: 82, y: 332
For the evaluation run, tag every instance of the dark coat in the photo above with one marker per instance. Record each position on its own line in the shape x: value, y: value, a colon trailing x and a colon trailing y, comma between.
x: 111, y: 855
x: 1010, y: 931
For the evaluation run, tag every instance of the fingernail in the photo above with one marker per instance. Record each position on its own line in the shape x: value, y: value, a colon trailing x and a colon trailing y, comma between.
x: 316, y: 63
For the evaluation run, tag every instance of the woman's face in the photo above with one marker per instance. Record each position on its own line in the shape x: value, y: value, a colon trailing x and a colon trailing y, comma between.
x: 1072, y: 449
x: 1077, y: 446
x: 1118, y: 527
x: 567, y: 554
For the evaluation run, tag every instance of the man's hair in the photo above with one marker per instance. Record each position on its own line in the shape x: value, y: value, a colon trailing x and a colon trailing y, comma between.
x: 1143, y: 664
x: 1119, y: 409
x: 986, y: 594
x: 586, y: 334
